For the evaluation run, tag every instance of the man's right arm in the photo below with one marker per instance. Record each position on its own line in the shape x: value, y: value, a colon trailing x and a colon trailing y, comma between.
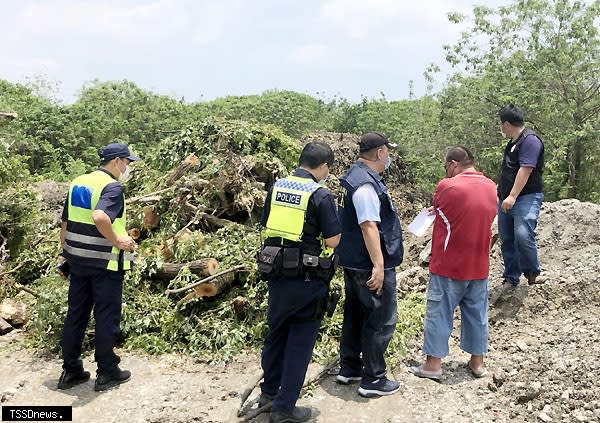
x: 367, y: 205
x: 370, y: 233
x: 333, y: 241
x: 109, y: 207
x: 104, y: 225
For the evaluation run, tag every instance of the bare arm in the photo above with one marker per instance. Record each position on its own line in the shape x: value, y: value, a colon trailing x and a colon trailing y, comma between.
x: 520, y: 181
x: 333, y: 241
x: 370, y: 234
x: 104, y: 225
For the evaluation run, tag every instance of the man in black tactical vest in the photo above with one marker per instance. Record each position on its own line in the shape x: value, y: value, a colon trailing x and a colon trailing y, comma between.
x: 519, y: 198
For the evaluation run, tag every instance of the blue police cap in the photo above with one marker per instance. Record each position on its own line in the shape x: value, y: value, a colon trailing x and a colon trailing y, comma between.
x: 114, y: 150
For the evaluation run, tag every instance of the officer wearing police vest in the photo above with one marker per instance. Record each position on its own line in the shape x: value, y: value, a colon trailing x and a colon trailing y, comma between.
x: 98, y: 251
x: 302, y: 228
x: 370, y: 249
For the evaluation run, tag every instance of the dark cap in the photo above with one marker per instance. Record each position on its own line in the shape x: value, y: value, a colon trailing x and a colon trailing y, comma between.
x: 114, y: 150
x: 372, y: 140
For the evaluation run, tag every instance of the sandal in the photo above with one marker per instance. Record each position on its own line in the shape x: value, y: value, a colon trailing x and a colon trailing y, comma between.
x: 477, y: 372
x: 427, y: 374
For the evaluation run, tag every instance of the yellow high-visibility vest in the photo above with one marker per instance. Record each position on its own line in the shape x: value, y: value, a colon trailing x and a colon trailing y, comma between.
x: 289, y: 202
x: 84, y: 244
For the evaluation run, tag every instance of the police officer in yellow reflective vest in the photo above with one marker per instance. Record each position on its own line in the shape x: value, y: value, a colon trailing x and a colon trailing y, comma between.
x: 302, y: 228
x: 98, y: 251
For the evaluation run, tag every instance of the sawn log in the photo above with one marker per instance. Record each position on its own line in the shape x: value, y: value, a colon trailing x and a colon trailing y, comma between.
x: 202, y: 267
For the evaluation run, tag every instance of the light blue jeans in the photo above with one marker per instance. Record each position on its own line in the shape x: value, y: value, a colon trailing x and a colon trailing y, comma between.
x: 517, y: 233
x: 443, y: 296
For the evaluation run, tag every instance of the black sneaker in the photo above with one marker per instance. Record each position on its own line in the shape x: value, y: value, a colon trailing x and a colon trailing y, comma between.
x: 298, y: 414
x: 105, y: 381
x: 381, y: 386
x: 265, y: 399
x: 69, y: 379
x: 346, y: 377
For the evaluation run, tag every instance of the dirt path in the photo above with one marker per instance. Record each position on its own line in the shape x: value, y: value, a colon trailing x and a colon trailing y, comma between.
x: 543, y: 361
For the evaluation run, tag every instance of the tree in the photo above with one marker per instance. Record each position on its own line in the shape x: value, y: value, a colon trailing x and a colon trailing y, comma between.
x: 119, y: 110
x: 544, y: 56
x: 293, y: 112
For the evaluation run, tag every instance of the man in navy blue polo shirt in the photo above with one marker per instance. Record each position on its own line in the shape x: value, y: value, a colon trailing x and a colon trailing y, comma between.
x: 98, y: 251
x: 520, y: 196
x: 302, y: 228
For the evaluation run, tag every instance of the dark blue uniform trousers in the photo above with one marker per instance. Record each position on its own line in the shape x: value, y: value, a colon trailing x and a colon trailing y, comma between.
x: 101, y: 290
x: 292, y: 335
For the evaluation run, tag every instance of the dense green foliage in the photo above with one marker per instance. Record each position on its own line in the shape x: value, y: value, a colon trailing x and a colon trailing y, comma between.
x: 294, y: 112
x: 542, y: 55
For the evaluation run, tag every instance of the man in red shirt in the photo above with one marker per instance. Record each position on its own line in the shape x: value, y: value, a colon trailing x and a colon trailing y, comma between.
x: 465, y: 205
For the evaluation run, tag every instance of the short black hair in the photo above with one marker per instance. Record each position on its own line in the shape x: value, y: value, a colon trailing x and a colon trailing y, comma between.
x: 511, y: 114
x: 461, y: 155
x: 315, y: 153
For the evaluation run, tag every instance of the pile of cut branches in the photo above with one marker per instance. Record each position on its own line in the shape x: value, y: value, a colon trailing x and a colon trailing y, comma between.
x: 193, y: 204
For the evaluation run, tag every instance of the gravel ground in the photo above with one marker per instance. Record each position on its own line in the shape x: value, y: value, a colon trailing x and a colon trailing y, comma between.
x: 543, y: 362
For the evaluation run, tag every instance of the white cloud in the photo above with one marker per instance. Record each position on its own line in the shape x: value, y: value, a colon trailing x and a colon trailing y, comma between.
x: 308, y: 54
x: 390, y: 19
x: 124, y: 21
x: 358, y: 18
x: 22, y: 64
x: 216, y: 19
x: 129, y: 22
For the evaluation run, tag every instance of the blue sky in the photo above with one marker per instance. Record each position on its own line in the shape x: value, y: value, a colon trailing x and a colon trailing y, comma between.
x: 202, y: 49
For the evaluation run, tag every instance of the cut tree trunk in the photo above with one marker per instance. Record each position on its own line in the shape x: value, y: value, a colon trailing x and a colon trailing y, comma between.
x: 199, y: 213
x: 215, y: 221
x: 202, y: 267
x: 239, y: 306
x: 5, y: 327
x: 187, y: 163
x: 196, y: 184
x: 151, y: 218
x: 205, y: 280
x: 148, y: 198
x: 134, y: 233
x: 165, y: 250
x: 216, y: 286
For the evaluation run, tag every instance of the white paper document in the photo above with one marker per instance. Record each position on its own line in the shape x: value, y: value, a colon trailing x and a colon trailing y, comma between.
x: 421, y: 223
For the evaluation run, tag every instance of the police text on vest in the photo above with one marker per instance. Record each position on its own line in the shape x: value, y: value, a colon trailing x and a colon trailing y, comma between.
x: 286, y: 197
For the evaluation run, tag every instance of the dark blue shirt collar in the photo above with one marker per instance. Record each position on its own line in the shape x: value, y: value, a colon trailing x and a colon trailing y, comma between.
x: 101, y: 169
x: 303, y: 173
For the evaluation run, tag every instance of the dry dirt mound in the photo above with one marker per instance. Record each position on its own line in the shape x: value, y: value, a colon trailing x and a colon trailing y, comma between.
x: 52, y: 195
x: 408, y: 198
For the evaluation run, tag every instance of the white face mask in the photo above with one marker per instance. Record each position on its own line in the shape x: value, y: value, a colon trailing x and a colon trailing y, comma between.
x: 388, y: 162
x: 322, y: 181
x: 125, y: 175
